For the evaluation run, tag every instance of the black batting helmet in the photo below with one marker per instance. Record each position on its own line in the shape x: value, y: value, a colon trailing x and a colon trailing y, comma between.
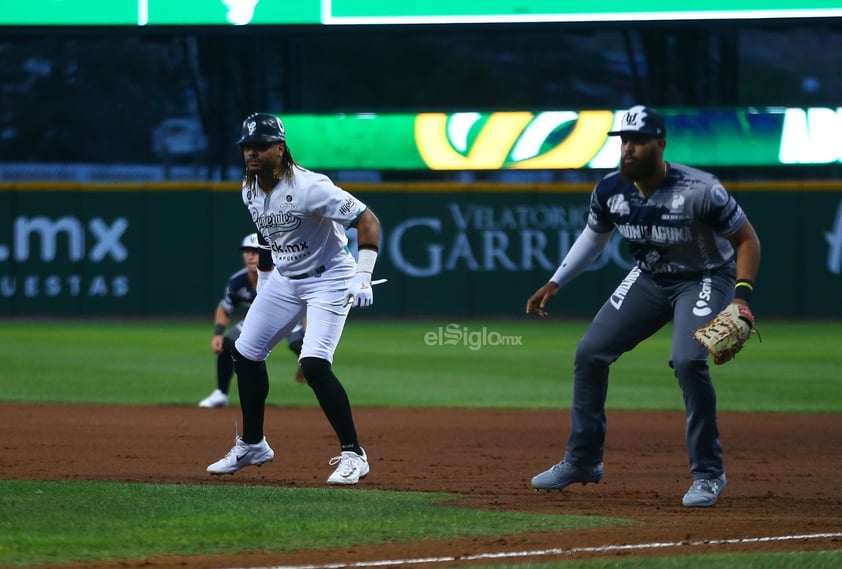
x: 262, y: 127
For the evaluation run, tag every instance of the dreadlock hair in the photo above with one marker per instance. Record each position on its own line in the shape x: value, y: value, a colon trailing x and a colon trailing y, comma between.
x: 285, y: 170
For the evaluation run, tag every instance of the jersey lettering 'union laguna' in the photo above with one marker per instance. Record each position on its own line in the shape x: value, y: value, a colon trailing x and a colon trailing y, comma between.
x: 656, y: 233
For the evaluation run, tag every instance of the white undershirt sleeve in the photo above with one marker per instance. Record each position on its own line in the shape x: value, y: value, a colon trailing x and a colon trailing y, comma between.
x: 583, y: 252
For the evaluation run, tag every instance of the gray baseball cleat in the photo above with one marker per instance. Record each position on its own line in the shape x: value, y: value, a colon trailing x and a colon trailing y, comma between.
x: 703, y: 493
x: 564, y: 474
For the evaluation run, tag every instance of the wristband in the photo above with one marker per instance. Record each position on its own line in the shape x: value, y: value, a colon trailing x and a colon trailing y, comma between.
x: 366, y: 260
x: 743, y: 289
x: 219, y: 329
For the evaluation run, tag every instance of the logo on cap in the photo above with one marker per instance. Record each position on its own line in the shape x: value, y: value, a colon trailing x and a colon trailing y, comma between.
x: 251, y: 126
x: 643, y: 120
x: 634, y: 120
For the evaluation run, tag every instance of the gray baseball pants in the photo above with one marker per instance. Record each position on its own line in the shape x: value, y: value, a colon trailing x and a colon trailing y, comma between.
x: 640, y: 306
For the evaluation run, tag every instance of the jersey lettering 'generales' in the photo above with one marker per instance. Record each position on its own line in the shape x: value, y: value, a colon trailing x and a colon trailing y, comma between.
x: 681, y: 228
x: 303, y: 219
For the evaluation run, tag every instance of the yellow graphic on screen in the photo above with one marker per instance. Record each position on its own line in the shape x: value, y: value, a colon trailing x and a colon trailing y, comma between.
x: 510, y: 140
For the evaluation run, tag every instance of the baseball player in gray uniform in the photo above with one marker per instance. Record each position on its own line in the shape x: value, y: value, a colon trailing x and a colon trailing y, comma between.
x: 304, y: 269
x: 694, y: 251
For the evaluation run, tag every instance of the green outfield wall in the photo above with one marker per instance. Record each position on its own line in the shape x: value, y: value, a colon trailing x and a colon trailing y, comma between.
x: 447, y: 249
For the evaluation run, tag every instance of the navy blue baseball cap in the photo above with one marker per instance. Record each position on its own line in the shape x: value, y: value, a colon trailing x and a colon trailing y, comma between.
x: 643, y: 120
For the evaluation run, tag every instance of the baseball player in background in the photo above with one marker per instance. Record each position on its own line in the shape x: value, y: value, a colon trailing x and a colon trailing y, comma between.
x: 694, y: 251
x: 304, y: 269
x: 240, y: 291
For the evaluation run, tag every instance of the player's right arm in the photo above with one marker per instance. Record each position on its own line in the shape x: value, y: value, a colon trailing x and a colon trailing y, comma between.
x: 221, y: 320
x: 265, y: 263
x: 583, y: 252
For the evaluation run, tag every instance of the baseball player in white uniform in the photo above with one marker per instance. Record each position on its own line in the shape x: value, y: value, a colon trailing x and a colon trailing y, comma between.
x: 305, y: 269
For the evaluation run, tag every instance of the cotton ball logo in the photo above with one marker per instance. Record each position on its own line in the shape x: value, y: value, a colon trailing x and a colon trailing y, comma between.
x: 240, y: 12
x: 702, y: 308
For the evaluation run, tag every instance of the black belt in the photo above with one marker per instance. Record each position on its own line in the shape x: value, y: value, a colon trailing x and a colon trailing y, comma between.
x: 315, y: 273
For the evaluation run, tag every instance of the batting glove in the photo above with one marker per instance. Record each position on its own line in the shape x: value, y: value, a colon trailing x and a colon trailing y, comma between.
x: 360, y: 294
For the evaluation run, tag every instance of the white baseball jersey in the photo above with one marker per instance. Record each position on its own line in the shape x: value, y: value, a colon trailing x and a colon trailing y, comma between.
x: 303, y: 220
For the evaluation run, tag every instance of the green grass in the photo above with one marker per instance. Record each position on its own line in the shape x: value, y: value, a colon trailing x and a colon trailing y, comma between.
x: 73, y: 521
x: 794, y: 368
x: 389, y: 364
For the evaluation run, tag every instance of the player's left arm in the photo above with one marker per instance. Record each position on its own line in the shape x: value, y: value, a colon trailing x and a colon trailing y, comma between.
x: 367, y: 225
x: 747, y: 246
x: 368, y: 230
x: 725, y: 335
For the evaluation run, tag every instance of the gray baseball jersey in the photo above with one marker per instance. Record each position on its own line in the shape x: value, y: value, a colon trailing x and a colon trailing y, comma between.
x: 239, y: 293
x: 303, y: 219
x: 681, y: 228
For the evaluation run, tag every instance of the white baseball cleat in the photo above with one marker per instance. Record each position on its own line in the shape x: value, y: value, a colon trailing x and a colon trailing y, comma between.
x: 214, y: 400
x: 352, y: 467
x: 243, y: 454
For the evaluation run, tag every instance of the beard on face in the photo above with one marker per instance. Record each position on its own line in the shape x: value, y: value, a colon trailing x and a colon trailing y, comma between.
x: 263, y: 166
x: 639, y: 169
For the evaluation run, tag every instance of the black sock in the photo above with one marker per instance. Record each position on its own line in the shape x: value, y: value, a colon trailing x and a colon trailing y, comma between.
x: 353, y: 448
x: 333, y: 400
x: 253, y: 387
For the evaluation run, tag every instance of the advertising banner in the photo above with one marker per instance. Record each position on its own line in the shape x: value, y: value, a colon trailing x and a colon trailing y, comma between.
x: 117, y: 250
x: 388, y: 12
x: 467, y: 252
x: 469, y: 11
x: 561, y: 139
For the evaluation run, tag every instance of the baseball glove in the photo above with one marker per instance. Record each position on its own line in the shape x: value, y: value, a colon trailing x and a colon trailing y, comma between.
x: 726, y: 334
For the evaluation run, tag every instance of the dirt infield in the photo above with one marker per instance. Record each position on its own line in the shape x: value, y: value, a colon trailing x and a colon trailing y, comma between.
x: 783, y: 472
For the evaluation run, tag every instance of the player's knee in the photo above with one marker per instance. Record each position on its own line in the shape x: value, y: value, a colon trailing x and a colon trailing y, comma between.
x: 316, y: 370
x: 591, y: 354
x: 241, y: 362
x: 689, y: 367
